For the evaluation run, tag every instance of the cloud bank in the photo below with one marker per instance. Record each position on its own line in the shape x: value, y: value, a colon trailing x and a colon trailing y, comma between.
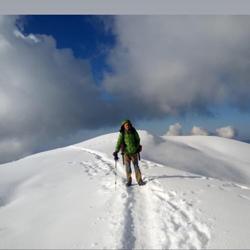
x: 174, y: 130
x: 160, y: 66
x: 167, y: 65
x: 45, y: 93
x: 227, y: 132
x: 199, y: 131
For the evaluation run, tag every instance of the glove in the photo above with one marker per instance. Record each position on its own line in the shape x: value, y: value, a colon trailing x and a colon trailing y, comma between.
x: 115, y: 154
x: 139, y: 149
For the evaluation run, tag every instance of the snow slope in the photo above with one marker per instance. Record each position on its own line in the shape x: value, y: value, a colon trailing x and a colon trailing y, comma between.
x: 197, y: 196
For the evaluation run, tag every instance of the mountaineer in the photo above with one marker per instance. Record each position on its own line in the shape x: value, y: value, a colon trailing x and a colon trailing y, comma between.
x: 129, y: 144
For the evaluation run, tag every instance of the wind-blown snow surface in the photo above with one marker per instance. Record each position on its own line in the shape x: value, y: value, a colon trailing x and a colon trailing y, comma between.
x: 197, y: 196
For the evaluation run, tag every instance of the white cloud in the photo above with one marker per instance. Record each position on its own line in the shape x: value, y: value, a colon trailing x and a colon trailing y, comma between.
x: 227, y: 132
x: 174, y: 130
x: 174, y: 64
x: 45, y: 92
x: 162, y: 65
x: 199, y: 131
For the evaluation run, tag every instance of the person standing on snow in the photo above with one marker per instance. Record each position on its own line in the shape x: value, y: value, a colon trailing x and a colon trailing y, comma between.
x: 129, y: 143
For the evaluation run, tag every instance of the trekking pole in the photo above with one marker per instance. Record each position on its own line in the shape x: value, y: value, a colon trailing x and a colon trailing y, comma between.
x: 115, y: 172
x: 116, y: 158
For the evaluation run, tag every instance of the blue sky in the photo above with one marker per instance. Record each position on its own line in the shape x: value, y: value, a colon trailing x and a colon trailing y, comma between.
x: 85, y: 35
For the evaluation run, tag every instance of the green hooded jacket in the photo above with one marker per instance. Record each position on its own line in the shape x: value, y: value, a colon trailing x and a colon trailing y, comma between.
x: 131, y: 140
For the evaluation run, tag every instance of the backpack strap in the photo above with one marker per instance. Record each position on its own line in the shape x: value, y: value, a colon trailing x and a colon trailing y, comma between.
x: 123, y: 145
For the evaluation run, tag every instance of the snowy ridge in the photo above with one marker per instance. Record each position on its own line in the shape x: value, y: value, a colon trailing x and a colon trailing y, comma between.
x: 210, y: 156
x: 67, y: 198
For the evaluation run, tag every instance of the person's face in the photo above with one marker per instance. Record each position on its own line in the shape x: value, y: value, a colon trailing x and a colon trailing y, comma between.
x: 127, y: 126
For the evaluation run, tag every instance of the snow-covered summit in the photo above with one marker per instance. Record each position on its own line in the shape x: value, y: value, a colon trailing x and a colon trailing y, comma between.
x: 197, y: 196
x: 210, y: 156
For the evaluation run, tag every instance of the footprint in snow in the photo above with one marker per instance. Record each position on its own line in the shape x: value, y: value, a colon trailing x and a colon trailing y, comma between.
x: 244, y: 197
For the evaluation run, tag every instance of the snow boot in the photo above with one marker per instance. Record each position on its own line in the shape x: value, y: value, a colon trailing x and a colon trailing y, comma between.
x: 129, y: 182
x: 138, y: 176
x: 141, y: 182
x: 129, y: 179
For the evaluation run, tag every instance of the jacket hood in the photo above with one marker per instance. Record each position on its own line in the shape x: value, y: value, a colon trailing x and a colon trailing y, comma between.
x: 122, y: 125
x: 126, y: 121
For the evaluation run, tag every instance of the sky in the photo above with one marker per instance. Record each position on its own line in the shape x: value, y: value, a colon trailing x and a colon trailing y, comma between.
x: 64, y: 79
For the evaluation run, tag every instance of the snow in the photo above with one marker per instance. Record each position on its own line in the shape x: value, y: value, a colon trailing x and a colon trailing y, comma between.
x: 197, y: 196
